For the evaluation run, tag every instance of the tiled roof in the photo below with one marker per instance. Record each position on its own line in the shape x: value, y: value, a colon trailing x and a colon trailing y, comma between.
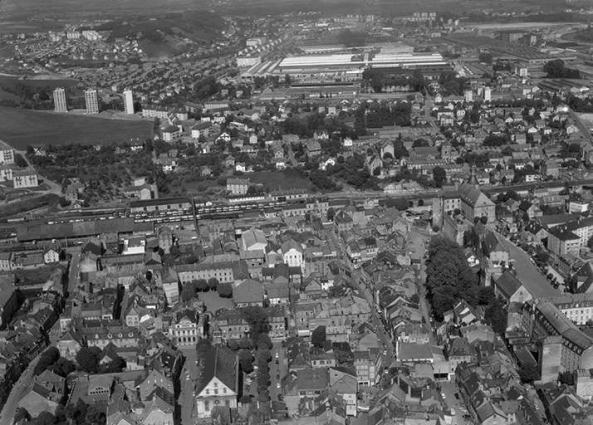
x: 221, y: 363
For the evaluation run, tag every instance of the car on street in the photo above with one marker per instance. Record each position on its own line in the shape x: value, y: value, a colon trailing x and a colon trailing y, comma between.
x: 456, y: 396
x: 277, y: 354
x: 444, y: 396
x: 278, y: 385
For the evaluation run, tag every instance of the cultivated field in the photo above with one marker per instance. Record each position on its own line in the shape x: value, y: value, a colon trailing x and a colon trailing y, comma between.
x: 24, y: 127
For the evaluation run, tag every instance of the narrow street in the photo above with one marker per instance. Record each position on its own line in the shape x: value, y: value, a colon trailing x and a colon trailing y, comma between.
x: 377, y: 324
x: 20, y: 388
x: 384, y: 337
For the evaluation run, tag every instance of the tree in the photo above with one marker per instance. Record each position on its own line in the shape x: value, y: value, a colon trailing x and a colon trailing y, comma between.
x: 88, y: 359
x: 319, y: 337
x: 63, y: 367
x: 590, y: 243
x: 47, y: 358
x: 330, y: 214
x: 233, y: 344
x: 76, y: 413
x: 449, y: 277
x: 117, y: 365
x: 257, y: 319
x: 566, y: 378
x: 485, y: 295
x: 94, y: 416
x: 246, y: 361
x: 344, y: 357
x: 485, y: 57
x: 439, y: 175
x: 189, y: 291
x: 202, y: 285
x: 528, y: 373
x: 245, y: 399
x: 263, y: 380
x: 555, y: 68
x: 263, y: 396
x: 213, y: 283
x: 20, y: 414
x: 44, y: 418
x: 202, y: 347
x: 20, y: 161
x: 496, y: 317
x: 245, y: 343
x: 225, y: 290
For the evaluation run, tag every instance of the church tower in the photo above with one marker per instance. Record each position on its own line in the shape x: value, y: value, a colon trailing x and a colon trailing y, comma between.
x: 473, y: 179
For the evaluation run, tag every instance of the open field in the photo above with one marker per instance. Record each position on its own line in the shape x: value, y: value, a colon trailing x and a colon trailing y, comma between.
x: 23, y: 127
x: 274, y: 180
x: 37, y: 82
x: 214, y: 302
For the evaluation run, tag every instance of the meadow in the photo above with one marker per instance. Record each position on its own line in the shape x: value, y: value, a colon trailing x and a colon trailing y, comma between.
x: 25, y: 127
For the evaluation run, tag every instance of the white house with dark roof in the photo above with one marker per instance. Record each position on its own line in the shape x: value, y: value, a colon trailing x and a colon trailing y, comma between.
x: 218, y: 383
x: 292, y: 253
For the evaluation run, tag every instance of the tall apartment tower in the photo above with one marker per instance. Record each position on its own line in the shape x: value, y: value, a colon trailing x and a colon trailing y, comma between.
x: 92, y: 101
x: 487, y: 94
x: 129, y: 101
x: 60, y: 104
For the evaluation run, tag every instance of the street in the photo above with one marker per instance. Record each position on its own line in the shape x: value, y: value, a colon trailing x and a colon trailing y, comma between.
x: 187, y: 385
x: 20, y: 388
x: 278, y: 369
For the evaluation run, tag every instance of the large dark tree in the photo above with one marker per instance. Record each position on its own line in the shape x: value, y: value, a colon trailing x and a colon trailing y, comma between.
x: 439, y: 175
x: 202, y: 285
x: 47, y: 359
x: 555, y: 68
x: 257, y: 319
x: 63, y: 367
x: 213, y: 283
x: 318, y: 337
x: 20, y: 414
x: 496, y: 316
x: 246, y: 361
x: 448, y: 276
x: 189, y: 291
x: 528, y: 373
x: 88, y: 359
x: 225, y: 290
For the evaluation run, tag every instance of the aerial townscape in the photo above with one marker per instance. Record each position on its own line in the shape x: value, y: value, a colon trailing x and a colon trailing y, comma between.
x: 296, y: 213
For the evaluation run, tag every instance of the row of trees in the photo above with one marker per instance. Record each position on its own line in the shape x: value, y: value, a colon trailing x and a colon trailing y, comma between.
x: 73, y: 414
x: 259, y: 327
x: 224, y: 289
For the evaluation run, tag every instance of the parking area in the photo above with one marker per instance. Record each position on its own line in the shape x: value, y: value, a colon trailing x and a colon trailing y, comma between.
x: 449, y: 390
